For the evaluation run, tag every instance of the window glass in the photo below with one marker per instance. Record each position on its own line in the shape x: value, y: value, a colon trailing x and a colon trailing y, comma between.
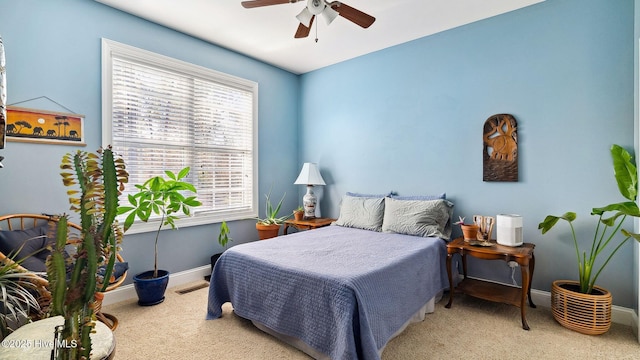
x: 164, y: 114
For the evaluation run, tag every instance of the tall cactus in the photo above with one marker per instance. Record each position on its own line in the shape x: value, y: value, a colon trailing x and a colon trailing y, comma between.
x: 100, y: 178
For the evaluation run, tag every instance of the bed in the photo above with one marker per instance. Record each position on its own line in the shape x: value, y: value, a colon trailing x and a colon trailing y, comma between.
x: 342, y: 291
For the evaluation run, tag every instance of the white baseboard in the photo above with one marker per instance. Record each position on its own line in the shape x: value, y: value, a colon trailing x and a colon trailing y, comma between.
x: 128, y: 292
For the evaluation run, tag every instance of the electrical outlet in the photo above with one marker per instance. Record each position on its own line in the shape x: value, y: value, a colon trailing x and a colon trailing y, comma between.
x: 512, y: 264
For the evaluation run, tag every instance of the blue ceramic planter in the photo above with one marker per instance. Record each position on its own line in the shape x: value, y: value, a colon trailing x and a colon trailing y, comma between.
x: 151, y: 290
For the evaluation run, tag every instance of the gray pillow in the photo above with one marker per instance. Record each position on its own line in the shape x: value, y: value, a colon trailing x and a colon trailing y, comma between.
x: 361, y: 212
x: 424, y: 218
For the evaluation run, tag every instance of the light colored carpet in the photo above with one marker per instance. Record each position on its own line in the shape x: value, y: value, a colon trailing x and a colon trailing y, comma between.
x: 471, y: 329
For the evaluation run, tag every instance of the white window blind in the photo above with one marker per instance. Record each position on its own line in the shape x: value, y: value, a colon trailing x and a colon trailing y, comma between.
x: 166, y: 114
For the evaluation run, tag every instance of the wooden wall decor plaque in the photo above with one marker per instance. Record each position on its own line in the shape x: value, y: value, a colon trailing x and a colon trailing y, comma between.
x: 500, y: 148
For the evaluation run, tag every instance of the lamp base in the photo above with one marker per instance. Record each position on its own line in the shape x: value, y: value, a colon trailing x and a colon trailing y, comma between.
x: 309, y: 201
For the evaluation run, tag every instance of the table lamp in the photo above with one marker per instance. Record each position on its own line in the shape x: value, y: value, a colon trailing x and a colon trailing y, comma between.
x: 310, y: 176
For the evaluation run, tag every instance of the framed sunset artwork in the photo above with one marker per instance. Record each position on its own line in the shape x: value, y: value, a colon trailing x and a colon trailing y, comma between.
x: 42, y: 126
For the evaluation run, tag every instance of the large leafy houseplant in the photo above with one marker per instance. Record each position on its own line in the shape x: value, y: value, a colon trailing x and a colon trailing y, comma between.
x: 97, y: 179
x: 610, y: 221
x: 164, y: 197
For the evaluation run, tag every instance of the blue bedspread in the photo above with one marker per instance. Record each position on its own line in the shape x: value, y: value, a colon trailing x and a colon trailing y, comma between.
x: 342, y: 291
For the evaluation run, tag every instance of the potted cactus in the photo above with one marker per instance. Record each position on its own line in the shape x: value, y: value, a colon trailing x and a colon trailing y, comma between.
x: 75, y: 282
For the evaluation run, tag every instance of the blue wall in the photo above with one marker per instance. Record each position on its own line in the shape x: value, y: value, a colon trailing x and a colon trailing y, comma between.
x: 409, y: 119
x: 53, y: 50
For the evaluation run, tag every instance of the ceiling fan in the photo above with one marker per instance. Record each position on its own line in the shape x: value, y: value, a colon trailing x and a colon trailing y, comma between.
x: 329, y: 10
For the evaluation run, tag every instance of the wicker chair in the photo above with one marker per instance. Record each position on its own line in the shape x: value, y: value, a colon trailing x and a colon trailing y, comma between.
x: 27, y: 221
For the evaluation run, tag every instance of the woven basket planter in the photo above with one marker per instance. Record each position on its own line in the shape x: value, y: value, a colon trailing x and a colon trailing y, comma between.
x: 585, y: 313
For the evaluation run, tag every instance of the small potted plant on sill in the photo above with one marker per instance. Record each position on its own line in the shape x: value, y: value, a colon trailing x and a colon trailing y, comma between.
x: 164, y: 197
x: 298, y: 213
x: 570, y: 299
x: 269, y: 226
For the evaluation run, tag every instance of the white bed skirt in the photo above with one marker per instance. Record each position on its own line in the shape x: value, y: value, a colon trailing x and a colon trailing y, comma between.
x: 419, y: 316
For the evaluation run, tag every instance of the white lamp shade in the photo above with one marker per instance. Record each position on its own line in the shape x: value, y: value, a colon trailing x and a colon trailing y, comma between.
x: 310, y: 175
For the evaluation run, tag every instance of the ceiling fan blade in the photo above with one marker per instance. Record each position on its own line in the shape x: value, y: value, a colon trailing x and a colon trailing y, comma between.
x: 303, y: 31
x: 258, y: 3
x: 354, y: 15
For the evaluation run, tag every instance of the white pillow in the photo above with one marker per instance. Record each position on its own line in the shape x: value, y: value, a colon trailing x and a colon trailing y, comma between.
x: 361, y: 212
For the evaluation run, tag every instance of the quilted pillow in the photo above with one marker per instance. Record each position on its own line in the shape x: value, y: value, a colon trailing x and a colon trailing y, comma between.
x: 418, y: 217
x: 361, y: 212
x: 33, y: 242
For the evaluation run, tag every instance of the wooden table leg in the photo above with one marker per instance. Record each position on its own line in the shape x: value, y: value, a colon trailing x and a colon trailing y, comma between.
x: 526, y: 286
x: 532, y: 266
x: 449, y: 256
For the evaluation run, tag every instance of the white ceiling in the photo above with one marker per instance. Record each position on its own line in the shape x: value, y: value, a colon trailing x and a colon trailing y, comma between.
x: 266, y: 33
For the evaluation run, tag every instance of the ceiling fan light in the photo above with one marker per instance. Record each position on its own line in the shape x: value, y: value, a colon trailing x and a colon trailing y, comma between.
x: 329, y: 15
x: 305, y: 17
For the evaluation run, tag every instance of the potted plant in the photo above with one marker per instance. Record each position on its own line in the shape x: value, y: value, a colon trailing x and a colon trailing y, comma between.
x: 17, y: 300
x: 160, y: 196
x: 223, y: 240
x: 269, y: 226
x: 74, y: 282
x: 469, y: 231
x: 569, y: 298
x: 298, y: 213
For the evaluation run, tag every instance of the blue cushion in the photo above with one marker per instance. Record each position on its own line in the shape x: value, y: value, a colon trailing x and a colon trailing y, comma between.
x: 119, y: 268
x: 27, y: 246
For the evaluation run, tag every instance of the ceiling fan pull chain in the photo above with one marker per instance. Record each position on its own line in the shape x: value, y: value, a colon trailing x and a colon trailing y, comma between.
x: 316, y: 32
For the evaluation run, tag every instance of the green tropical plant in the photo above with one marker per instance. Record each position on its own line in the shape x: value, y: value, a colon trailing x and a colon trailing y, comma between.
x: 160, y: 196
x: 223, y: 236
x: 100, y: 177
x: 17, y: 301
x: 271, y: 212
x: 607, y: 228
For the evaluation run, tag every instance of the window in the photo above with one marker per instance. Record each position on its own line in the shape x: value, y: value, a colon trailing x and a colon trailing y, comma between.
x: 163, y: 114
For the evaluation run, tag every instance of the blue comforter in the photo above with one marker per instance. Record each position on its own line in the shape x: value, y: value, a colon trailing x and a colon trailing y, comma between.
x: 342, y: 291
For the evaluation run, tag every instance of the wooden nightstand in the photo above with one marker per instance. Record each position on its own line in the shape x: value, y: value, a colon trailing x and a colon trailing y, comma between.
x: 523, y: 255
x: 307, y: 224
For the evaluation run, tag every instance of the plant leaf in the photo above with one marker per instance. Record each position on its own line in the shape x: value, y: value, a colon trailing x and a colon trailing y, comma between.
x: 625, y: 172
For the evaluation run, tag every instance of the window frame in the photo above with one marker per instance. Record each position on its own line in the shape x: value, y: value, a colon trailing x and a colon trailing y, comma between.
x: 112, y: 48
